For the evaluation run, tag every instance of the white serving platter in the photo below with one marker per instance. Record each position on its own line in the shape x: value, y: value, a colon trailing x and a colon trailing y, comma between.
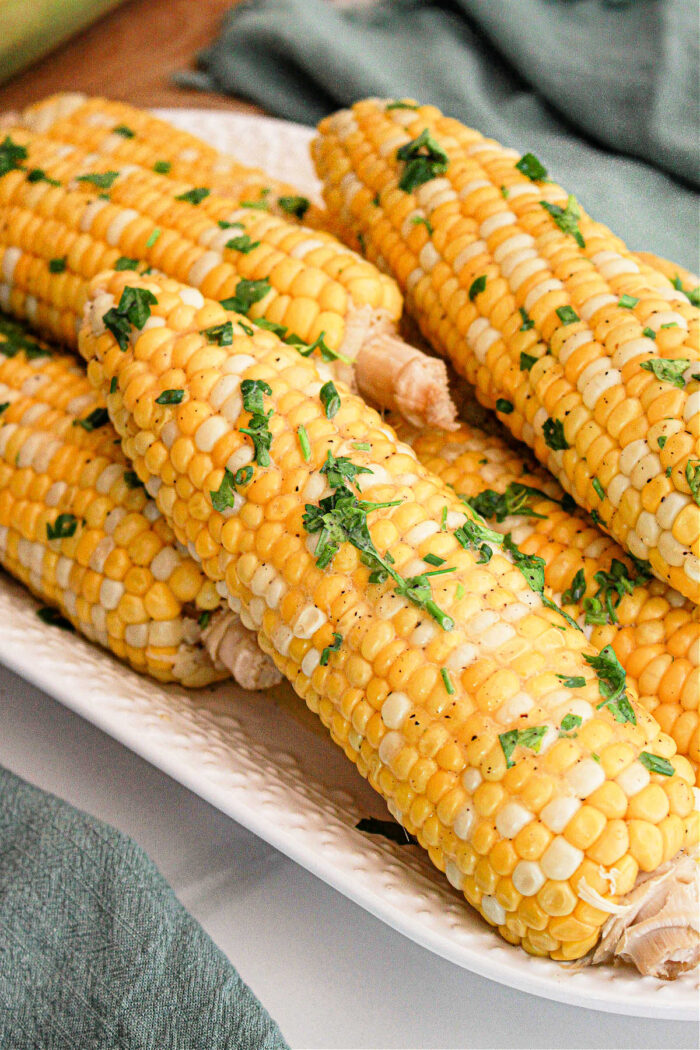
x: 263, y: 760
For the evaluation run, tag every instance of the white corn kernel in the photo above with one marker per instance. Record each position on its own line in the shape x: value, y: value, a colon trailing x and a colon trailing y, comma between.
x: 511, y: 818
x: 560, y: 860
x: 557, y: 813
x: 465, y: 818
x: 395, y: 710
x: 528, y: 878
x: 585, y: 777
x: 493, y: 910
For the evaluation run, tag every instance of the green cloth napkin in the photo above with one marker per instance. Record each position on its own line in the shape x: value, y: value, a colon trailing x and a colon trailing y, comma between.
x: 96, y: 952
x: 604, y: 93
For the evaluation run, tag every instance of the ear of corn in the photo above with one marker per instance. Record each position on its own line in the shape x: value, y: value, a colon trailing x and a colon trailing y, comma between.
x: 442, y: 689
x: 80, y: 217
x: 588, y: 354
x: 126, y: 135
x: 77, y: 527
x: 654, y: 631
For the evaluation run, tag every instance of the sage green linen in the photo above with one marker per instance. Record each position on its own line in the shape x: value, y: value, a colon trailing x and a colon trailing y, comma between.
x: 605, y: 93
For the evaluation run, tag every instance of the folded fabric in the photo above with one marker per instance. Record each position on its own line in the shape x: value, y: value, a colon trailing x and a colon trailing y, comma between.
x: 605, y: 93
x: 95, y: 949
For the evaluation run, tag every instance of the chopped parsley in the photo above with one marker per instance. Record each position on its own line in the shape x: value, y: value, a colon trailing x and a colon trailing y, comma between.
x: 53, y: 618
x: 572, y: 682
x: 334, y: 647
x: 400, y: 105
x: 132, y: 480
x: 162, y: 167
x: 242, y: 244
x: 304, y: 443
x: 503, y: 406
x: 4, y: 405
x: 649, y: 333
x: 153, y: 237
x: 11, y: 154
x: 528, y: 323
x: 569, y: 724
x: 339, y: 470
x: 530, y: 565
x: 662, y: 440
x: 330, y: 399
x: 342, y: 518
x: 125, y: 263
x: 39, y: 175
x: 229, y: 225
x: 223, y: 498
x: 628, y: 302
x: 553, y: 433
x: 58, y: 265
x: 656, y: 764
x: 474, y: 535
x: 133, y: 310
x: 598, y: 488
x: 99, y: 417
x: 362, y: 446
x: 567, y: 218
x: 532, y: 168
x: 296, y: 206
x: 221, y: 334
x: 16, y: 341
x: 567, y: 315
x: 691, y: 294
x: 531, y: 738
x: 611, y: 684
x: 477, y: 286
x: 434, y: 559
x: 667, y: 369
x: 113, y: 385
x: 447, y: 681
x: 103, y: 180
x: 526, y: 361
x: 246, y: 295
x: 516, y: 499
x: 576, y: 590
x: 252, y: 391
x: 692, y: 476
x: 420, y: 220
x: 505, y: 193
x: 425, y: 160
x: 170, y: 397
x: 204, y: 618
x: 459, y: 592
x: 63, y: 527
x: 124, y: 131
x: 194, y: 196
x: 670, y: 324
x: 307, y: 349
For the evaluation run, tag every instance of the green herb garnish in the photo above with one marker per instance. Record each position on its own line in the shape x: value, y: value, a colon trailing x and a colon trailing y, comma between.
x: 400, y: 105
x: 242, y: 244
x: 434, y: 559
x: 133, y: 481
x: 447, y: 681
x: 334, y: 647
x: 124, y: 131
x: 528, y: 323
x: 503, y: 406
x: 532, y: 168
x: 58, y: 265
x: 162, y: 167
x: 53, y: 618
x: 125, y: 263
x: 598, y: 488
x: 247, y: 293
x: 526, y: 361
x: 304, y: 442
x: 575, y: 682
x: 99, y: 417
x: 477, y: 286
x: 692, y: 476
x: 194, y: 196
x: 11, y: 155
x: 649, y: 333
x: 567, y: 315
x: 576, y: 590
x: 628, y: 302
x: 667, y: 369
x: 170, y: 397
x: 516, y: 499
x: 656, y: 764
x: 153, y: 237
x: 133, y: 310
x: 63, y: 527
x: 567, y: 218
x: 252, y: 391
x: 531, y: 738
x: 420, y: 220
x: 204, y: 618
x: 296, y: 206
x: 103, y: 180
x: 611, y: 684
x: 553, y: 433
x: 221, y: 334
x: 330, y: 399
x: 39, y: 175
x: 425, y: 160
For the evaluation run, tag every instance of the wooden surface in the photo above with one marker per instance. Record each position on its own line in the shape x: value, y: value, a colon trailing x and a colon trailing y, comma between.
x: 130, y: 55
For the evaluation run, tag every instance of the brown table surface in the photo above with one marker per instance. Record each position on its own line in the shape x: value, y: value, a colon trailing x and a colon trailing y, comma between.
x: 130, y: 55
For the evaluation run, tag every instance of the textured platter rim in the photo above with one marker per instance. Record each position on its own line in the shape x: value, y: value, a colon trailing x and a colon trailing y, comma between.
x: 182, y: 736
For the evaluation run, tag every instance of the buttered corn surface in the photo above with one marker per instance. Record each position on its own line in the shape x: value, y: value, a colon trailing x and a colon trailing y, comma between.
x: 425, y: 647
x: 587, y: 353
x: 654, y: 631
x: 77, y: 527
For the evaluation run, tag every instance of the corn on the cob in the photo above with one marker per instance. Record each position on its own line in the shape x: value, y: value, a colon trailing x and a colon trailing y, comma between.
x: 443, y: 689
x: 654, y: 631
x: 77, y: 527
x: 587, y: 354
x: 56, y: 237
x: 127, y: 135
